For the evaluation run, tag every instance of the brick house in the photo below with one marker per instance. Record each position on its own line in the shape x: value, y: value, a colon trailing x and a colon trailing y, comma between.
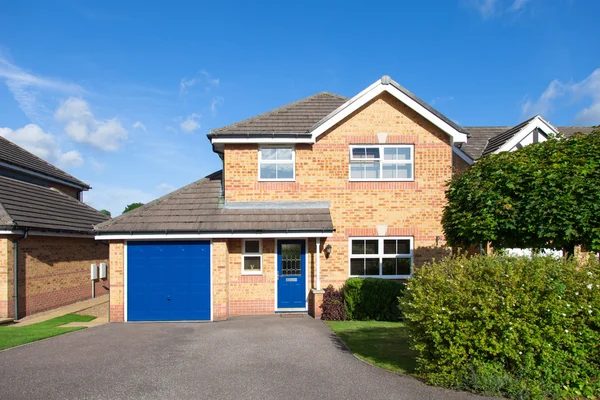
x: 46, y: 232
x: 310, y: 194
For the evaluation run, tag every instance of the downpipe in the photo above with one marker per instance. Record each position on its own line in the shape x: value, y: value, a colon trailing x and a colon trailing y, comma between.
x: 16, y: 271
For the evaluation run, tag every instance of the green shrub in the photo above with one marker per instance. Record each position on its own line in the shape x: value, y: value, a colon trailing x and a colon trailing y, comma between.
x: 512, y: 326
x: 372, y: 298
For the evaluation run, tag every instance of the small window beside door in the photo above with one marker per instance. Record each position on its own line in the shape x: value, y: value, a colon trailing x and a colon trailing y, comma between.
x: 251, y: 257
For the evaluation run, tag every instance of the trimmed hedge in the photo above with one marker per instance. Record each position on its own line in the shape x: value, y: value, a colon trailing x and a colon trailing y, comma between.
x: 510, y: 326
x: 372, y: 299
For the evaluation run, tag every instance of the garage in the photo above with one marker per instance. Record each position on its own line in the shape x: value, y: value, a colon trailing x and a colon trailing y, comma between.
x: 168, y: 281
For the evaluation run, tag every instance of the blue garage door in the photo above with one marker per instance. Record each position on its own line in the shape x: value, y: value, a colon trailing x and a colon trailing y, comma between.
x: 168, y: 281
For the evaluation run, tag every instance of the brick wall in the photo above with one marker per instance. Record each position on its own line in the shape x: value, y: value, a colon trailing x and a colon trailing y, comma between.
x: 251, y: 294
x: 407, y: 208
x: 53, y: 272
x: 220, y: 283
x: 458, y: 163
x: 6, y: 278
x: 116, y: 266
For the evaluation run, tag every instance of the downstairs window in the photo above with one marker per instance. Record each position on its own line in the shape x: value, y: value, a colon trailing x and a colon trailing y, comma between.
x: 384, y: 257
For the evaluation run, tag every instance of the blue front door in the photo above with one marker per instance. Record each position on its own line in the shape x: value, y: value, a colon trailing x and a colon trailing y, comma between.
x: 168, y: 281
x: 291, y: 274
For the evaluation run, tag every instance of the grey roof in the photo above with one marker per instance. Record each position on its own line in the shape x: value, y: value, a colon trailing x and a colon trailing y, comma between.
x: 26, y: 205
x: 292, y: 119
x: 12, y: 154
x: 483, y: 138
x: 196, y: 208
x: 496, y: 142
x: 478, y: 139
x: 568, y: 131
x: 301, y: 117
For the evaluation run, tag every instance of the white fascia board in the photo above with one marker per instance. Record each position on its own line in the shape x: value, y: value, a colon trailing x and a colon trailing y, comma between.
x: 539, y: 123
x: 375, y: 90
x: 163, y: 236
x: 262, y: 140
x: 51, y: 234
x: 463, y: 155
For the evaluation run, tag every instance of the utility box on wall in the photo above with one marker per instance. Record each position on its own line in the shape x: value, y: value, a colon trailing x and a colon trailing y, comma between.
x: 102, y: 270
x: 94, y: 272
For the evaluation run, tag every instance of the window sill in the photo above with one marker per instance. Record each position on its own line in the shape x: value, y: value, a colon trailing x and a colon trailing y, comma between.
x: 382, y: 276
x: 381, y: 180
x: 277, y: 180
x: 252, y: 273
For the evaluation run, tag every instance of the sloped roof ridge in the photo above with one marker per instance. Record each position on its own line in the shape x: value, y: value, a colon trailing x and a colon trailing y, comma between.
x: 275, y: 111
x: 68, y: 177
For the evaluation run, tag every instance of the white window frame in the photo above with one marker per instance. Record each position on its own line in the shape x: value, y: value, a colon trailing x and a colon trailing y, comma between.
x: 381, y: 162
x: 293, y: 161
x: 380, y: 255
x: 259, y: 254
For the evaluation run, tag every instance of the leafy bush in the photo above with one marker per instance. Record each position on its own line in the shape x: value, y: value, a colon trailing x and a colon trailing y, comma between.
x: 372, y: 298
x: 333, y: 305
x: 512, y: 326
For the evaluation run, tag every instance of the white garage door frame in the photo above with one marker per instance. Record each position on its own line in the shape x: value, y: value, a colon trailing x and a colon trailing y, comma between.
x: 162, y: 239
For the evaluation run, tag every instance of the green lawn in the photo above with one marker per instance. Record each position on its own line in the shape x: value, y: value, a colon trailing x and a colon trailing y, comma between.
x: 384, y: 344
x: 15, y: 336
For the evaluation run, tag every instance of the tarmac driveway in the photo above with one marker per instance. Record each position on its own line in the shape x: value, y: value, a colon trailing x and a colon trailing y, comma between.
x: 243, y: 358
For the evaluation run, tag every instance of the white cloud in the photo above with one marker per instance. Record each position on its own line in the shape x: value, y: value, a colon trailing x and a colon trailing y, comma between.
x: 518, y: 5
x: 44, y: 145
x: 70, y: 159
x: 29, y: 89
x: 485, y: 7
x: 557, y: 93
x: 165, y: 188
x: 203, y: 78
x: 139, y: 125
x: 185, y: 84
x: 81, y: 125
x: 211, y: 81
x: 216, y: 102
x: 191, y: 123
x: 491, y: 8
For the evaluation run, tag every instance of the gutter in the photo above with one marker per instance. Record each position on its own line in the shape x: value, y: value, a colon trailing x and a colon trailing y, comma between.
x: 225, y: 231
x: 16, y: 271
x: 273, y: 135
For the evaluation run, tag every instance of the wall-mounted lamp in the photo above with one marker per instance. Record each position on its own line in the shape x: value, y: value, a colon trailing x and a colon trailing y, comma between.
x: 327, y: 251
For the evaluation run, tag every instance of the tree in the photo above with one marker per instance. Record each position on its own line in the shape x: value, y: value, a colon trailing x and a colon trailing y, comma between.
x: 546, y: 195
x: 105, y: 212
x: 132, y: 206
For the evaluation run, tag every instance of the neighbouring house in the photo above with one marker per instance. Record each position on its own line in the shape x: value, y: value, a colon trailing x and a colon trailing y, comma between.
x: 46, y: 235
x: 310, y: 194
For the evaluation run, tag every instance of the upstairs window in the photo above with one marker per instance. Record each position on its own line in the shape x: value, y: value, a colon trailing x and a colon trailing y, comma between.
x: 382, y: 163
x: 276, y: 163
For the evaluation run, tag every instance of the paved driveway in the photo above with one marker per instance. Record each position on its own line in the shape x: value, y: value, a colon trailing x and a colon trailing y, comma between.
x: 243, y: 358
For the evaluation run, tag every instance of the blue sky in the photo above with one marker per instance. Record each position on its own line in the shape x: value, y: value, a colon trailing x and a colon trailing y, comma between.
x: 122, y: 94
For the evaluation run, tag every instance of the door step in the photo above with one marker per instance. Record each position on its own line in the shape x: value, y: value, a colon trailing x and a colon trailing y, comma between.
x: 292, y: 315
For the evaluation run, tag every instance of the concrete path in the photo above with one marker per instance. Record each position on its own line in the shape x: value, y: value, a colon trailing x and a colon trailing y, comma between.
x: 75, y: 308
x: 243, y: 358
